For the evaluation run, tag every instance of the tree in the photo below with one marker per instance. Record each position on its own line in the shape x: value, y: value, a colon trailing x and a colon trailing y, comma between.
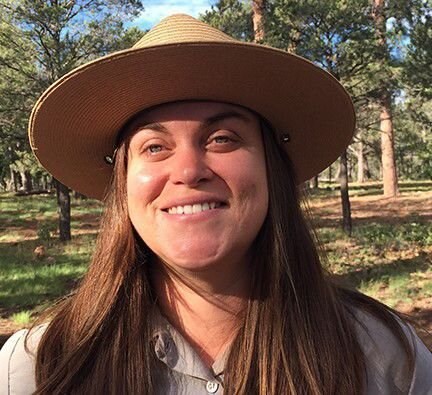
x: 234, y: 17
x: 258, y: 7
x: 417, y: 73
x: 62, y: 34
x: 338, y: 38
x: 413, y: 146
x: 17, y: 84
x: 390, y: 181
x: 346, y: 204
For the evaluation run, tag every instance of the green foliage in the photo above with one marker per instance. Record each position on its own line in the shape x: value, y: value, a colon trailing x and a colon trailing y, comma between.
x: 418, y: 71
x: 386, y: 235
x: 22, y: 318
x: 44, y: 232
x: 41, y: 41
x: 414, y: 141
x: 233, y: 17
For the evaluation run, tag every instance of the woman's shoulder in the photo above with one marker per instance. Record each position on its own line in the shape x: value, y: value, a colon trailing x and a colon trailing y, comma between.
x: 17, y: 364
x: 386, y: 360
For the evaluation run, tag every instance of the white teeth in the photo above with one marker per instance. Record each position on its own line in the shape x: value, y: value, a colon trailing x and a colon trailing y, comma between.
x: 192, y: 209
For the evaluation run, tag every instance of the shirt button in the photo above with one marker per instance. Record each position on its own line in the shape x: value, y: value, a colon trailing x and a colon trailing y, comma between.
x: 212, y: 387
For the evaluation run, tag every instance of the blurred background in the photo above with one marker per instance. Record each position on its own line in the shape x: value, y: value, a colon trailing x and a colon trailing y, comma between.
x: 372, y: 208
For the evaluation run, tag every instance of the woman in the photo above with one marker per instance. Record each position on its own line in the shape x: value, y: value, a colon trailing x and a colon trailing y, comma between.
x: 205, y: 277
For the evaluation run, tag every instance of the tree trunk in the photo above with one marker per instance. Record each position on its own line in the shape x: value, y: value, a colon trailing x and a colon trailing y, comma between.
x: 50, y: 183
x: 258, y: 7
x: 22, y: 180
x: 28, y: 183
x: 314, y: 183
x: 360, y: 162
x: 390, y: 180
x: 63, y: 207
x: 346, y: 205
x: 10, y: 186
x: 15, y: 181
x: 388, y: 161
x: 44, y: 184
x: 338, y: 172
x: 366, y: 168
x: 80, y: 196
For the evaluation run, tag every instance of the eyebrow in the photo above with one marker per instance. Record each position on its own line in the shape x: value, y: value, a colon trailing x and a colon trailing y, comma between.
x: 158, y: 127
x: 155, y: 126
x: 224, y: 115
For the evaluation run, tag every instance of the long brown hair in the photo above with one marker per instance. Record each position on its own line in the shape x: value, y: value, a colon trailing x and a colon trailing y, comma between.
x: 296, y: 332
x: 304, y: 349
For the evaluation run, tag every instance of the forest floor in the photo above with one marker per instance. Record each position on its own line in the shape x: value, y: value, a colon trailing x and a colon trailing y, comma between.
x: 388, y: 256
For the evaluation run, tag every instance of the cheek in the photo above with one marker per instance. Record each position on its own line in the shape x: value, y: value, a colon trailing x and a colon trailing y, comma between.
x: 143, y: 187
x: 247, y: 179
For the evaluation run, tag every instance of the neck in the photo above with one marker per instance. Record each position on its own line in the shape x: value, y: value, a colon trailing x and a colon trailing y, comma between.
x: 206, y: 308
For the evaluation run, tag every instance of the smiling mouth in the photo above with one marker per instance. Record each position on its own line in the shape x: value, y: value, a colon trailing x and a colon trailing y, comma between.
x: 194, y: 208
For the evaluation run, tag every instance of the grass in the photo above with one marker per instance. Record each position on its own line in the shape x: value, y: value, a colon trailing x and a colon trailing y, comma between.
x: 387, y: 257
x: 26, y: 281
x: 23, y: 318
x: 389, y: 263
x: 23, y: 216
x: 29, y: 283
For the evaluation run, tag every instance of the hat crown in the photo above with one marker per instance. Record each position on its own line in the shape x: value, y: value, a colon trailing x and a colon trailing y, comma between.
x: 181, y: 28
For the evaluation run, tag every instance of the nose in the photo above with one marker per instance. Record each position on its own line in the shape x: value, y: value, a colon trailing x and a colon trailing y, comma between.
x: 189, y: 167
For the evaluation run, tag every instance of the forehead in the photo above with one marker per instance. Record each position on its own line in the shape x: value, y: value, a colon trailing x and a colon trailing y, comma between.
x: 199, y: 111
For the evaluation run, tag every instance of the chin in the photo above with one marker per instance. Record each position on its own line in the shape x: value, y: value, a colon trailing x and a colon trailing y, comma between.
x: 193, y: 263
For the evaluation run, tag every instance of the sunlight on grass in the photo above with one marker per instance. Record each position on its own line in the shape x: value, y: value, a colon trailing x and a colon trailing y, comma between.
x: 371, y: 288
x: 22, y: 318
x: 29, y: 282
x: 30, y: 285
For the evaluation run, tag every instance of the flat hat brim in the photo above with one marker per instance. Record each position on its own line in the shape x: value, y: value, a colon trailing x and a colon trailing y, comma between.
x: 75, y: 123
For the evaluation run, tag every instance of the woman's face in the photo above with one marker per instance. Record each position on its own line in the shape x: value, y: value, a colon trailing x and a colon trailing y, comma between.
x: 196, y: 183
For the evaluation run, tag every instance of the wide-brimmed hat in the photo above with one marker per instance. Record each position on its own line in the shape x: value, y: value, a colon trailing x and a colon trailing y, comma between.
x: 75, y: 123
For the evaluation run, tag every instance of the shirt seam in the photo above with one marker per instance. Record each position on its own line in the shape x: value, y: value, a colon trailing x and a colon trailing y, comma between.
x: 415, y: 353
x: 10, y: 360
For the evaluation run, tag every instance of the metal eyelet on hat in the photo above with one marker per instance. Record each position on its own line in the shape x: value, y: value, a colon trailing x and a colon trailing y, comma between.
x: 285, y: 138
x: 110, y: 159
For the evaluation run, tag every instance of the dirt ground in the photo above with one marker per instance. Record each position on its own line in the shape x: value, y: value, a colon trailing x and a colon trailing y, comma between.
x: 377, y: 208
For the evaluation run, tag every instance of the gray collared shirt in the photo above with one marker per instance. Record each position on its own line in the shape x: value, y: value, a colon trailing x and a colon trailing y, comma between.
x: 183, y: 372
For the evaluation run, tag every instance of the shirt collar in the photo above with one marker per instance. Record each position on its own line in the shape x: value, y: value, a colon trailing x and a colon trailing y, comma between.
x: 174, y: 351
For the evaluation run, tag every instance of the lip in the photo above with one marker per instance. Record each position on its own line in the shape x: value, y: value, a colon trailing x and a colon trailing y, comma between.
x: 193, y: 200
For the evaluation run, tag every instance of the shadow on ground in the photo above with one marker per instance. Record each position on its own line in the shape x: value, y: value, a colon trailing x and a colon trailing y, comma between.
x: 356, y: 275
